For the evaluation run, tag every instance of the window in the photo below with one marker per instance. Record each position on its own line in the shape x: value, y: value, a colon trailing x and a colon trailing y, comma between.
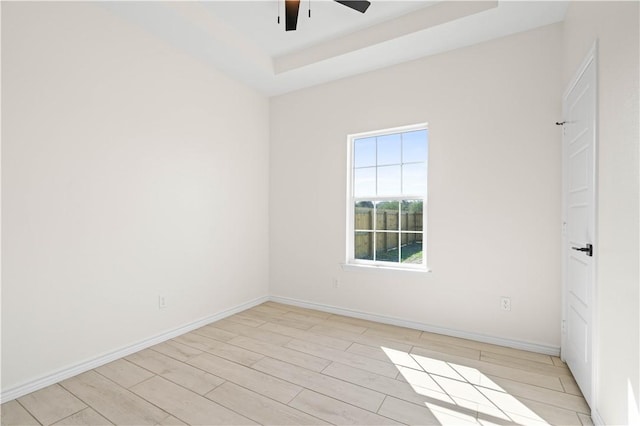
x: 387, y: 198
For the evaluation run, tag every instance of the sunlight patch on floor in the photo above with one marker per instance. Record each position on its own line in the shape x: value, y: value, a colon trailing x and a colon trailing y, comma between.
x: 447, y: 416
x: 457, y: 392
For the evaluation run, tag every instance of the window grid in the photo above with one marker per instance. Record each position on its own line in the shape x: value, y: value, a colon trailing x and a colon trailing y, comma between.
x: 399, y: 231
x: 372, y: 232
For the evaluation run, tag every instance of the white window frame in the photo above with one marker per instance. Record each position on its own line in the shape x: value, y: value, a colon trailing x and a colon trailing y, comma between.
x: 351, y: 200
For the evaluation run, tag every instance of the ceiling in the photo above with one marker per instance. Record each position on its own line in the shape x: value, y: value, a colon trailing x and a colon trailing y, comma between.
x: 244, y: 40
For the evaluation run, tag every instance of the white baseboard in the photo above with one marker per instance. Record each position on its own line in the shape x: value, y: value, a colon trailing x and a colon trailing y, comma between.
x: 65, y: 373
x: 596, y: 419
x: 517, y: 344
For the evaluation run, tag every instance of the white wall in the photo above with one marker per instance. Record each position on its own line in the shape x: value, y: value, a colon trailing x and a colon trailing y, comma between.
x: 616, y: 27
x: 128, y: 170
x: 494, y: 188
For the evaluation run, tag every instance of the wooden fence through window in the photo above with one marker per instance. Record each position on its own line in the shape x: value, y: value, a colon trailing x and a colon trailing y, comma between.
x: 386, y: 220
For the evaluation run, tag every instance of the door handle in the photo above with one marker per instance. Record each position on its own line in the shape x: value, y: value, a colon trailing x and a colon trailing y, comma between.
x: 588, y: 249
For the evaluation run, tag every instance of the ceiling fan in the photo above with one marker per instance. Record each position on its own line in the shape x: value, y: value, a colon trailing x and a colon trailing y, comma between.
x: 292, y: 7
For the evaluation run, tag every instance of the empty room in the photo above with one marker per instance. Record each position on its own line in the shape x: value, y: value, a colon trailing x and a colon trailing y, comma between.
x: 320, y: 212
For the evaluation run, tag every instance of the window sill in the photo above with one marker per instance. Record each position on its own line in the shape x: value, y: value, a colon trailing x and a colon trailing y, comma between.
x: 354, y: 267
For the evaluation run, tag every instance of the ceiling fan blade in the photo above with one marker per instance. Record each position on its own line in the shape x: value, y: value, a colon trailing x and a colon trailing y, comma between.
x: 359, y: 5
x: 291, y: 8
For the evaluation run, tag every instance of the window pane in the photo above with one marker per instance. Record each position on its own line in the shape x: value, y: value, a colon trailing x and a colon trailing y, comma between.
x: 364, y: 152
x: 363, y: 245
x: 388, y: 189
x: 389, y: 180
x: 387, y: 246
x: 414, y: 146
x: 387, y: 215
x: 389, y: 149
x: 411, y: 250
x: 411, y: 215
x: 414, y: 179
x: 364, y: 182
x: 363, y: 215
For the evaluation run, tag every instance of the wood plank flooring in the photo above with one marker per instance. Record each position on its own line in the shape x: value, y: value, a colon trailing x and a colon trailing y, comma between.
x: 276, y: 364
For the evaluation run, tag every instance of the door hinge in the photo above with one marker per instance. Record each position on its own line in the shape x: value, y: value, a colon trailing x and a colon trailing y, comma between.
x: 563, y: 326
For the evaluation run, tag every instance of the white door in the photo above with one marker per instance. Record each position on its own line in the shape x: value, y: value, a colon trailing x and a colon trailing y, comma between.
x: 578, y: 152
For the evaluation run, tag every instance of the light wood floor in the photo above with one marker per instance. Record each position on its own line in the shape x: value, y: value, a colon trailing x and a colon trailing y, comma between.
x: 277, y: 364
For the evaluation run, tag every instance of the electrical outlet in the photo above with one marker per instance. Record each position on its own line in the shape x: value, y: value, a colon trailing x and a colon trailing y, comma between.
x: 162, y: 301
x: 505, y: 303
x: 336, y: 282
